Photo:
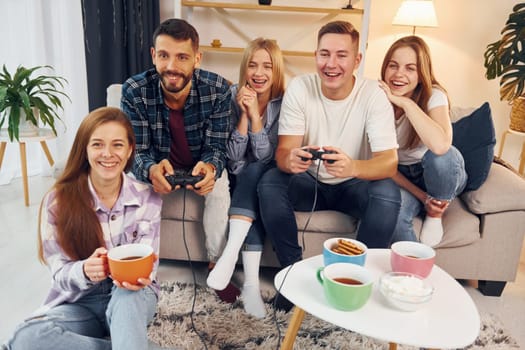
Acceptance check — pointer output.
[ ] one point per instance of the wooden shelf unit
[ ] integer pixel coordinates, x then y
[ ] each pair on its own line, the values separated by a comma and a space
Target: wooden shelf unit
227, 49
222, 9
229, 5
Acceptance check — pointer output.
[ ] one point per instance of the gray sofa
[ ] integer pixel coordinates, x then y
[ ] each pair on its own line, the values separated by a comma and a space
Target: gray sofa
483, 237
484, 229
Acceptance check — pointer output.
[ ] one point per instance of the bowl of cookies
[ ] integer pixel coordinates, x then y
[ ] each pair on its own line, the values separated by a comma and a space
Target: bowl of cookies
347, 250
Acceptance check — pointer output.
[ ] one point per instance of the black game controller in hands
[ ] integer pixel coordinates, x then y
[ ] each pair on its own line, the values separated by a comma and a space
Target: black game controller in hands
317, 155
183, 178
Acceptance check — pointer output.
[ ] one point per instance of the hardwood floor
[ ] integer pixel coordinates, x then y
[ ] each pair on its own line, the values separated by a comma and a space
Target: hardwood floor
25, 281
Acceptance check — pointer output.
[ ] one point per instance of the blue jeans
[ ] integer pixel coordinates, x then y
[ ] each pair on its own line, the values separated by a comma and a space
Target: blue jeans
88, 323
245, 202
442, 177
375, 203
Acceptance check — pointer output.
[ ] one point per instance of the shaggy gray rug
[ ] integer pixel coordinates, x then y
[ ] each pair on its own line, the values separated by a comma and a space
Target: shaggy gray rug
228, 327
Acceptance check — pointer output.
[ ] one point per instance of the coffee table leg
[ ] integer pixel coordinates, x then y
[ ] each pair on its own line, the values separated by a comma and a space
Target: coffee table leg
293, 328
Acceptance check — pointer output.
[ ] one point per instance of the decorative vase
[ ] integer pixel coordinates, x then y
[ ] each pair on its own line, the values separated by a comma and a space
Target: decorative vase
517, 114
26, 126
265, 2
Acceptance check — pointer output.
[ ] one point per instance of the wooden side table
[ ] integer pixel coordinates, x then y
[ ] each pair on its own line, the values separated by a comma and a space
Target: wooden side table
43, 135
521, 167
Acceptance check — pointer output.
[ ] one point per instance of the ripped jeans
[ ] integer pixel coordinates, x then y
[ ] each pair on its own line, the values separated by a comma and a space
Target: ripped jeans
442, 177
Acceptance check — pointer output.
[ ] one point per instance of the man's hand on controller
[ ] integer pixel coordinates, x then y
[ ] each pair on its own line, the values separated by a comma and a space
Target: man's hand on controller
343, 165
331, 155
311, 153
304, 154
206, 185
157, 176
300, 159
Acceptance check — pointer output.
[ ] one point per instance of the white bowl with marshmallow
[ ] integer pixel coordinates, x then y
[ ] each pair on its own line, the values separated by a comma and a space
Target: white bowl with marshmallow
405, 291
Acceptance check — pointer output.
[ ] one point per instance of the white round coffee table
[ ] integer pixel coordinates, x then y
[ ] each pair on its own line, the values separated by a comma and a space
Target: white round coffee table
450, 320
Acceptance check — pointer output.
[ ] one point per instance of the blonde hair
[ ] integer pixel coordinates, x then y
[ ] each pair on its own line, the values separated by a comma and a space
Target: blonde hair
276, 56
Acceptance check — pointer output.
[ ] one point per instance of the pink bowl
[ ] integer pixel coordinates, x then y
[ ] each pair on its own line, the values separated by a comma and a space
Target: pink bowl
412, 257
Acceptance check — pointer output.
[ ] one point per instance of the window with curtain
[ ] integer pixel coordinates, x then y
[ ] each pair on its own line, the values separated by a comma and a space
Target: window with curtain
117, 40
50, 34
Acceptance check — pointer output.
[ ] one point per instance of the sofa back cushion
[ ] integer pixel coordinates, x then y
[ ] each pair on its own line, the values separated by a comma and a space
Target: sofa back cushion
504, 190
474, 137
113, 93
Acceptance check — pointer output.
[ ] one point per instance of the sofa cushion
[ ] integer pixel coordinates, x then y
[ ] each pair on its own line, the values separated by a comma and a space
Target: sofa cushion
475, 138
502, 191
456, 112
177, 206
459, 225
328, 221
113, 94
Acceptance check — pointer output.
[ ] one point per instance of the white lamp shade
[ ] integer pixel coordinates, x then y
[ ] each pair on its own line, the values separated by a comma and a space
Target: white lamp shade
416, 13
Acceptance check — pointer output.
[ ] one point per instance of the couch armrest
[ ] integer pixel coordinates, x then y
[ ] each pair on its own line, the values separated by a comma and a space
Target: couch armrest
503, 190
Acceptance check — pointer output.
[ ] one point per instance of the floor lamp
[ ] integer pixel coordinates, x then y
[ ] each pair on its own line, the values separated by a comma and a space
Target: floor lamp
416, 13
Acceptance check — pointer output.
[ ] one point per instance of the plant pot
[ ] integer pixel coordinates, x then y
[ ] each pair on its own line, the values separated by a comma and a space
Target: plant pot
517, 114
26, 127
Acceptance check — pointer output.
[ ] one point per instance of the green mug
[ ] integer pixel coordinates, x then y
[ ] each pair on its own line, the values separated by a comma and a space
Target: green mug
346, 286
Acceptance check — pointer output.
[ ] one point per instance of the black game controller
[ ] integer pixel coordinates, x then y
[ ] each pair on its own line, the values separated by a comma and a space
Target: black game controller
183, 178
317, 155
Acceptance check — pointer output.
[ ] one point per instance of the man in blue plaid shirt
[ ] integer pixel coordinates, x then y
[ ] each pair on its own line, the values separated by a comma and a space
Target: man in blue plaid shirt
181, 118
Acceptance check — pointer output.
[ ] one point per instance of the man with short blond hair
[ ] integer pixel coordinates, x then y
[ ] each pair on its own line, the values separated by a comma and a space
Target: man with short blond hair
351, 121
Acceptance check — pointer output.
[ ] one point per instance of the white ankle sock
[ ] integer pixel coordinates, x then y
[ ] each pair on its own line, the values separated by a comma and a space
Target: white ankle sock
432, 231
251, 293
222, 272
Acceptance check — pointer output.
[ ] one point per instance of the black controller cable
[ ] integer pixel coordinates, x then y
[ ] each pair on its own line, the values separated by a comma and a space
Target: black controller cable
291, 266
201, 337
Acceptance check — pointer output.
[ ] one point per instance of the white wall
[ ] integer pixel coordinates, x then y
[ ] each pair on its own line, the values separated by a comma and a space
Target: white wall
457, 45
45, 32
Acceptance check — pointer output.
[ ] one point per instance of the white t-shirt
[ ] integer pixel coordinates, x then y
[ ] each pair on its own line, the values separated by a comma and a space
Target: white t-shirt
360, 124
414, 155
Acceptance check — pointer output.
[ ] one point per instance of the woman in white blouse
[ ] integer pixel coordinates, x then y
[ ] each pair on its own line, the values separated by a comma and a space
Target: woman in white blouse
431, 172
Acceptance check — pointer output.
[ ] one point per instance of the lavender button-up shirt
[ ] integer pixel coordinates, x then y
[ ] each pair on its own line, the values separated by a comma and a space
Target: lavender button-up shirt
135, 218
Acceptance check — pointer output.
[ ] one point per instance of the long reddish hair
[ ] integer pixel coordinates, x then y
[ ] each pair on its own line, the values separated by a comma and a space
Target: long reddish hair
78, 229
427, 80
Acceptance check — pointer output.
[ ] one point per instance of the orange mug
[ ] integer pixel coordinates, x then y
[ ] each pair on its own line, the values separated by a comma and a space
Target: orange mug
129, 262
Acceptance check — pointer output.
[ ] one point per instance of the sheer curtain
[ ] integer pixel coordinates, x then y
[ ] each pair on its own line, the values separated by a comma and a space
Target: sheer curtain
45, 32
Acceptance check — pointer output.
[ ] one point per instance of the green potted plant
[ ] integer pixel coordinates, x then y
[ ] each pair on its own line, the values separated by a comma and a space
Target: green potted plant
505, 58
31, 97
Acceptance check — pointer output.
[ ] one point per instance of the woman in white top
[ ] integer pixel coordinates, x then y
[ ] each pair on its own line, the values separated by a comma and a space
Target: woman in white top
431, 172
